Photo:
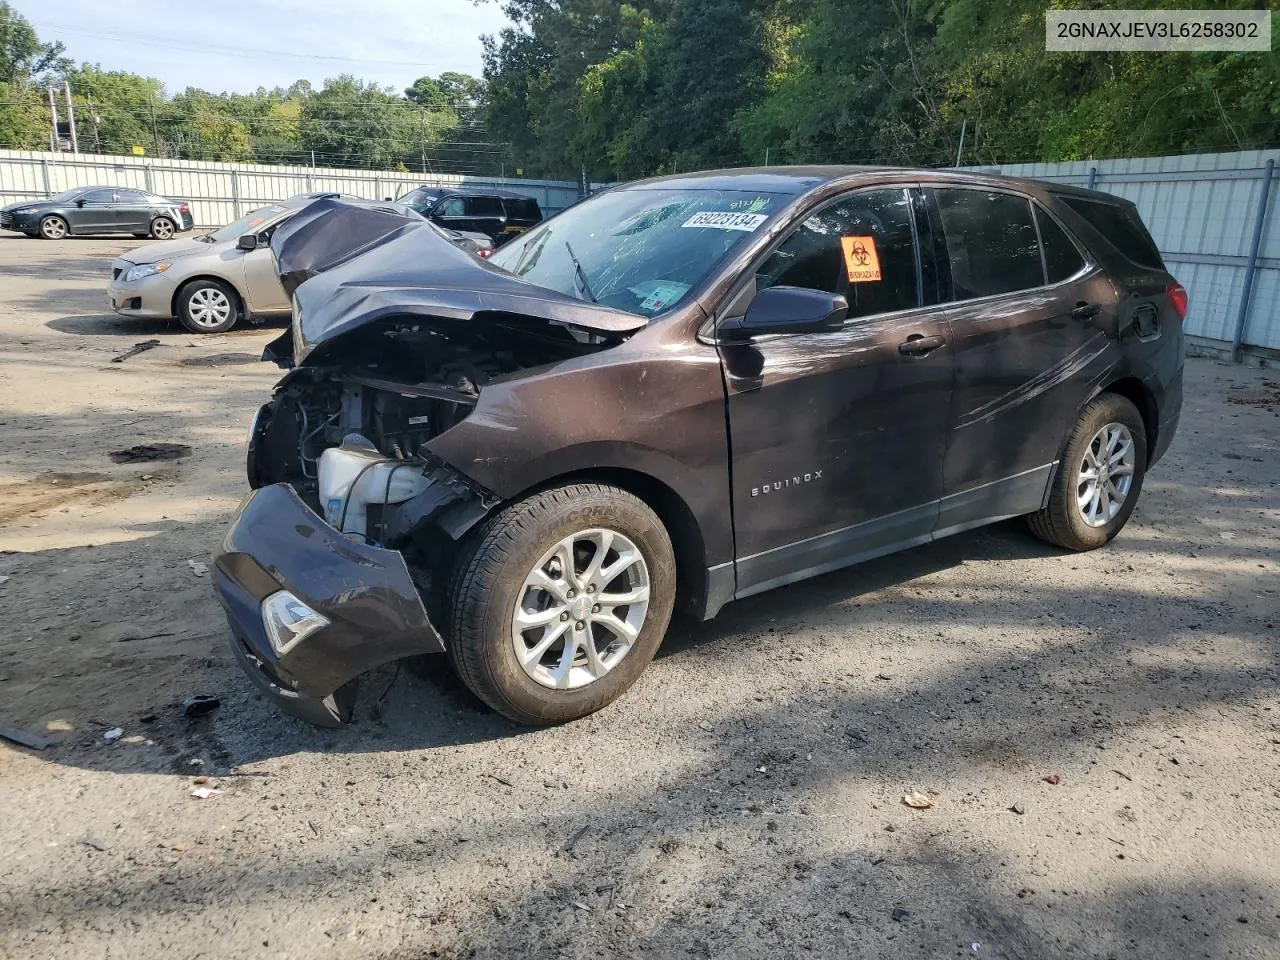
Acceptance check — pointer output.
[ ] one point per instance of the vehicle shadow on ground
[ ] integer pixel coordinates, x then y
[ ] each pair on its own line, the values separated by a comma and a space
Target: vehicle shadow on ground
111, 324
918, 890
426, 708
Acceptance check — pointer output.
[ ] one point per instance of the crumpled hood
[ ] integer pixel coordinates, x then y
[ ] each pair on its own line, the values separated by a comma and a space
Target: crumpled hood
347, 266
168, 250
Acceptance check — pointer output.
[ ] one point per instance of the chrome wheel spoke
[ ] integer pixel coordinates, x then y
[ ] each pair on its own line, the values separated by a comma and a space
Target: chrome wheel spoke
634, 595
535, 653
563, 672
528, 619
543, 581
602, 540
621, 629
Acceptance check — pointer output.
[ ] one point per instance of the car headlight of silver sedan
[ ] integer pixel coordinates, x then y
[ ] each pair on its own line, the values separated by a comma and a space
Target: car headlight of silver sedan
145, 270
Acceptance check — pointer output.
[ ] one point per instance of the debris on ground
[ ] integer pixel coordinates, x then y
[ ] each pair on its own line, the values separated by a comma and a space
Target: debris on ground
205, 793
114, 734
200, 705
917, 800
198, 568
95, 843
195, 762
899, 914
220, 360
1053, 779
4, 579
1019, 808
24, 737
146, 452
140, 347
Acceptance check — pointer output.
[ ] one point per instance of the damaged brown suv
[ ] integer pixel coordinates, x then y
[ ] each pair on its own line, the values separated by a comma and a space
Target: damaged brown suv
677, 393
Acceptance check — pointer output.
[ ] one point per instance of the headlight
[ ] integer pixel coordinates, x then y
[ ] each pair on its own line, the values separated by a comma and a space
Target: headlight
26, 210
289, 621
145, 270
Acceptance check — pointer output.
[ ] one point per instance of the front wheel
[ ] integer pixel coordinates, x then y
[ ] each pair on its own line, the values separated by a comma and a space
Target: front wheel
561, 602
54, 228
207, 306
1099, 477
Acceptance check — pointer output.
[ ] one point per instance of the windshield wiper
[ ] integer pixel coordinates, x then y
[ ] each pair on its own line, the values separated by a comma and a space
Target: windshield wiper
581, 274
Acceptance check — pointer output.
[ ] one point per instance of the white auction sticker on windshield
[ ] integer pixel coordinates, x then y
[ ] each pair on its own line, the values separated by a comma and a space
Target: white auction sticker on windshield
726, 221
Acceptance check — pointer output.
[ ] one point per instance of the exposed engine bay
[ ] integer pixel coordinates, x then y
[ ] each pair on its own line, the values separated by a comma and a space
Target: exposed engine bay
349, 436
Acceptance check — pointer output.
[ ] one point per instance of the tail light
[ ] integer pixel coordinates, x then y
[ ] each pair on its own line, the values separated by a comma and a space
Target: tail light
185, 208
1178, 297
484, 253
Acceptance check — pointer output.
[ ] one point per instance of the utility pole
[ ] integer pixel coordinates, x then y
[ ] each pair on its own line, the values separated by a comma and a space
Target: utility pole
963, 127
71, 117
93, 115
53, 117
422, 116
766, 156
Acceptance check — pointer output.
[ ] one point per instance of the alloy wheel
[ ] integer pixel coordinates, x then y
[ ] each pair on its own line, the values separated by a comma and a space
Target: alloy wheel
162, 229
209, 307
53, 228
1105, 475
581, 609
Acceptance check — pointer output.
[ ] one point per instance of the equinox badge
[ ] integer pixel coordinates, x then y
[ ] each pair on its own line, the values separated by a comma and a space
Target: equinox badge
778, 485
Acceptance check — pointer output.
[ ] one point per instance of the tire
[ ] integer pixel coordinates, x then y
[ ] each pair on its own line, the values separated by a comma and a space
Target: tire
54, 228
142, 236
492, 577
1074, 518
207, 306
162, 228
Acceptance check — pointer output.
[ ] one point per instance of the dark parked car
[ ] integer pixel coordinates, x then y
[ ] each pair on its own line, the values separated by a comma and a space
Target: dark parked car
680, 392
90, 210
499, 214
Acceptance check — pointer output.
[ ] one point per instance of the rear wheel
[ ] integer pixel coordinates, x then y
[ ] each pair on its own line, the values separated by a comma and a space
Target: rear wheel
54, 228
561, 602
207, 306
162, 228
1099, 478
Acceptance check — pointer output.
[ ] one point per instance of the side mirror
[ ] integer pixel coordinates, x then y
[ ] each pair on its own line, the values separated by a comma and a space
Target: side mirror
388, 200
80, 202
248, 241
787, 310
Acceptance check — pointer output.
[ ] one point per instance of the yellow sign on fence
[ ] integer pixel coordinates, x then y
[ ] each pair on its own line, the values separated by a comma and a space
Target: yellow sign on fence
139, 150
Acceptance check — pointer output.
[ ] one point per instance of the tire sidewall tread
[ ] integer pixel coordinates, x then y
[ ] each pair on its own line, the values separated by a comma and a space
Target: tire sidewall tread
1060, 522
491, 571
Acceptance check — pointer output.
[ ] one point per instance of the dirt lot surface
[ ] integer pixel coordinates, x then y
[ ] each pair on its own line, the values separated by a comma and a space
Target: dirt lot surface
744, 800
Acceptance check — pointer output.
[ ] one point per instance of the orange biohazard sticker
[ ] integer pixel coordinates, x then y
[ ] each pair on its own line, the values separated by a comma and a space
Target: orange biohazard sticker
860, 259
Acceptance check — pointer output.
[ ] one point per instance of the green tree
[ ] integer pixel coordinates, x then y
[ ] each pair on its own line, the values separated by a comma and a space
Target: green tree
22, 55
352, 123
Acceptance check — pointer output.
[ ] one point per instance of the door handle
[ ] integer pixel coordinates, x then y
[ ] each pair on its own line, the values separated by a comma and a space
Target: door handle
918, 344
1083, 311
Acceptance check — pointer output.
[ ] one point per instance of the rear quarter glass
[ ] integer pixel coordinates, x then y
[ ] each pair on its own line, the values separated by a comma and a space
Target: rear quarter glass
1122, 226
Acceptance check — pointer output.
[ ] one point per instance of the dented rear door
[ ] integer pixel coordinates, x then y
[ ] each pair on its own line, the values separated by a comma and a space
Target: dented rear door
1032, 328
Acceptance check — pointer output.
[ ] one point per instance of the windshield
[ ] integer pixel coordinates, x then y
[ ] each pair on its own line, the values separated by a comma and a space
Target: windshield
249, 223
640, 249
66, 195
420, 200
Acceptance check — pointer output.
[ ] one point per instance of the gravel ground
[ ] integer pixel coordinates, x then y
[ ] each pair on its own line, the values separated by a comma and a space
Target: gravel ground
1099, 734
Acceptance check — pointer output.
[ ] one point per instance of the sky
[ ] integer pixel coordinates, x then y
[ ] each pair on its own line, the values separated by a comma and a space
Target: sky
240, 45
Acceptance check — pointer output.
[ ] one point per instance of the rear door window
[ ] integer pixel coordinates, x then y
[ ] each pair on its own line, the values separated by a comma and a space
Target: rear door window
1062, 258
862, 246
522, 210
483, 207
1120, 224
990, 241
99, 196
132, 197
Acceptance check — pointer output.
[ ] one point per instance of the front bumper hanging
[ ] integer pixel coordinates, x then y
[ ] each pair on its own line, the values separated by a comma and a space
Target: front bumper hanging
375, 613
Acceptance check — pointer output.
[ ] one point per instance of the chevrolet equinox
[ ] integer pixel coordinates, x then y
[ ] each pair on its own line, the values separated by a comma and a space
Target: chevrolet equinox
678, 393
